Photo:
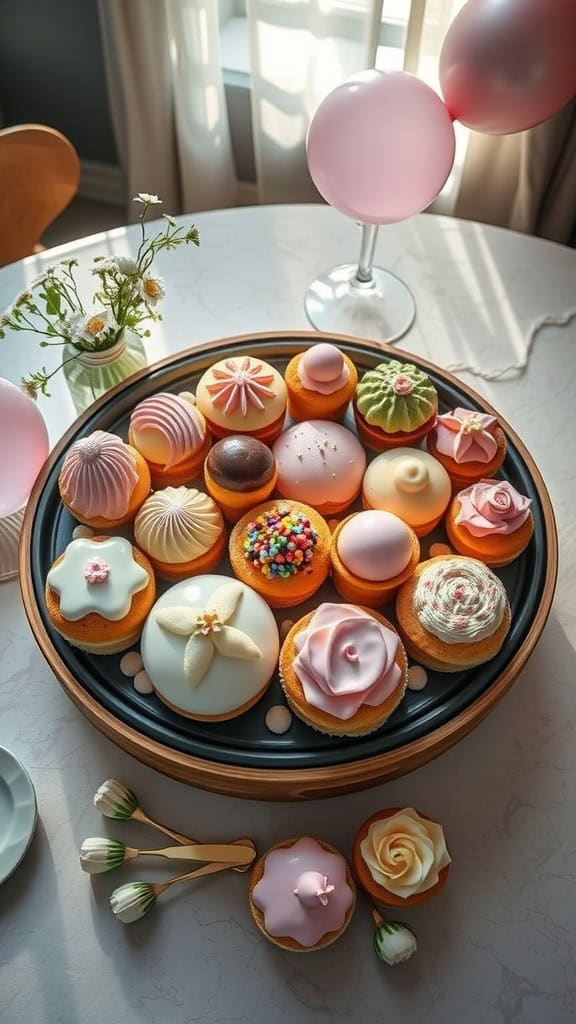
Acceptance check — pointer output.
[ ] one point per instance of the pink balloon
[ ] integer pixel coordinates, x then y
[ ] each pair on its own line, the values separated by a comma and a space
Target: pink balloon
507, 65
380, 146
24, 446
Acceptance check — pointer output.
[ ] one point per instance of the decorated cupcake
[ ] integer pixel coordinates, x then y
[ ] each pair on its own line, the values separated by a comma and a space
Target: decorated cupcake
491, 521
400, 858
182, 532
282, 550
98, 594
453, 613
243, 395
343, 669
170, 432
302, 895
372, 554
240, 472
409, 483
470, 445
396, 406
103, 481
321, 463
321, 382
210, 647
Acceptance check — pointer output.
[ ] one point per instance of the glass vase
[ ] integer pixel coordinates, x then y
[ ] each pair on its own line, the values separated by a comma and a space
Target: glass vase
91, 374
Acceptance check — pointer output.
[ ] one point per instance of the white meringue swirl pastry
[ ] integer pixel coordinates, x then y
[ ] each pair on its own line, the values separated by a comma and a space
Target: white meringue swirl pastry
460, 600
178, 524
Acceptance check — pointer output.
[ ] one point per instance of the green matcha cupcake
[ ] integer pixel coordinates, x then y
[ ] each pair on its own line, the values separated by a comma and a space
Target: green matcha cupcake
395, 406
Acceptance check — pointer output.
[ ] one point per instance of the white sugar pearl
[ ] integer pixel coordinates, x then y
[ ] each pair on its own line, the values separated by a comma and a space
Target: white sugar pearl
440, 549
82, 531
142, 682
131, 663
285, 628
417, 677
278, 719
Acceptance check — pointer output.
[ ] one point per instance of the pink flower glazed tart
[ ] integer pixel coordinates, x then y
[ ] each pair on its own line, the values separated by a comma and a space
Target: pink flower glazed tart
170, 433
321, 382
410, 484
321, 463
470, 445
491, 521
400, 858
395, 406
98, 594
210, 647
372, 554
302, 895
453, 613
243, 395
240, 472
182, 531
282, 550
343, 669
103, 481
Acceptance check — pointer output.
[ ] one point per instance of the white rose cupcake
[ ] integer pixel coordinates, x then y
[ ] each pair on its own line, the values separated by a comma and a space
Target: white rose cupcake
400, 858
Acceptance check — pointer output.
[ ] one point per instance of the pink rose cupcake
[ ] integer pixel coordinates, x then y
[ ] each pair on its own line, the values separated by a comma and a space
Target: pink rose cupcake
491, 521
343, 669
470, 445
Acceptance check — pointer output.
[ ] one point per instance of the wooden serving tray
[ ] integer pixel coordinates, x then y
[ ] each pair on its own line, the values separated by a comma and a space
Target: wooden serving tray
241, 757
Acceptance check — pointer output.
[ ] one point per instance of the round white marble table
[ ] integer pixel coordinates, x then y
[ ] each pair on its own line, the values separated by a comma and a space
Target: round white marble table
497, 947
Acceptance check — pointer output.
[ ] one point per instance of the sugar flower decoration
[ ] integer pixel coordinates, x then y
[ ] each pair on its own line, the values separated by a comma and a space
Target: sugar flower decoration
132, 901
467, 436
99, 854
208, 632
81, 592
243, 385
114, 800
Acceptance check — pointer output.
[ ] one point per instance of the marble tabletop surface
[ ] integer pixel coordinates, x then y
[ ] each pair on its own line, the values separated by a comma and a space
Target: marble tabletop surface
499, 945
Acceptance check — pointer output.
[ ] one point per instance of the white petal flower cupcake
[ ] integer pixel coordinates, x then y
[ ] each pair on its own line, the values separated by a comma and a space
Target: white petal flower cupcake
401, 858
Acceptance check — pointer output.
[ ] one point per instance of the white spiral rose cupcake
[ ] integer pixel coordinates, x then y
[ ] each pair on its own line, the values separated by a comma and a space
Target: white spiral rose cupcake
453, 613
401, 858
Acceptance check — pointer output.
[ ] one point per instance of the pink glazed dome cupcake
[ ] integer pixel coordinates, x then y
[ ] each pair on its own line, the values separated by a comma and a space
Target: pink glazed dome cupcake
302, 895
321, 463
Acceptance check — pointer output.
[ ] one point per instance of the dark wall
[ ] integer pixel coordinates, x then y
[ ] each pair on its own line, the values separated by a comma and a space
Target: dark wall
52, 72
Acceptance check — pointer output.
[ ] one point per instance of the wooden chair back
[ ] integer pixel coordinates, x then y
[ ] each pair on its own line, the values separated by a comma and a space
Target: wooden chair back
39, 176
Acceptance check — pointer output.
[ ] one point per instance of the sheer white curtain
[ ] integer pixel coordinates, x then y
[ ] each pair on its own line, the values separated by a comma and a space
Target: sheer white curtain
168, 101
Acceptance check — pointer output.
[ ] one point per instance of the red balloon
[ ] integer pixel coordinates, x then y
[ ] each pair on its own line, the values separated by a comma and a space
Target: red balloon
507, 65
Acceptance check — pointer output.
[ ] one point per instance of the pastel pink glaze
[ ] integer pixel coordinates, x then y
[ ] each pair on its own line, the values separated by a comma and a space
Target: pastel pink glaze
467, 436
96, 570
375, 545
286, 916
319, 462
99, 476
240, 384
346, 658
492, 506
176, 419
322, 369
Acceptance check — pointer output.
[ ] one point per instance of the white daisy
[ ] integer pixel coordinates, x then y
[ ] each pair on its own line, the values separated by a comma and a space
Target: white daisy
93, 329
127, 266
147, 199
152, 289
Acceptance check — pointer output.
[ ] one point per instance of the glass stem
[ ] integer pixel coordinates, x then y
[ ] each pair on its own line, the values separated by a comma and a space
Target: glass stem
366, 260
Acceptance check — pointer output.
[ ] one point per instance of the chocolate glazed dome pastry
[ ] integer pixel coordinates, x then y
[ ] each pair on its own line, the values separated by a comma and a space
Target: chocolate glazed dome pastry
240, 472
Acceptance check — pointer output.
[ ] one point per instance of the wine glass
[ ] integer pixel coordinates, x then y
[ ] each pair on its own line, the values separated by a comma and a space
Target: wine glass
380, 148
23, 451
